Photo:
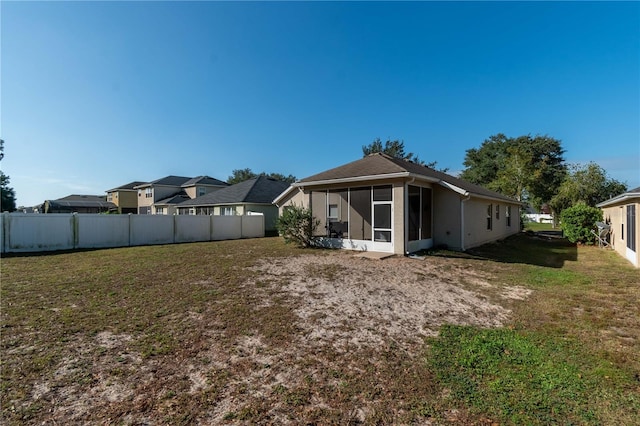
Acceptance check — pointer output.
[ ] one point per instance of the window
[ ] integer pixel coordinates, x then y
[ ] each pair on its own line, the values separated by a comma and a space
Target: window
508, 215
497, 211
110, 197
489, 216
159, 210
148, 193
201, 191
333, 211
228, 211
631, 227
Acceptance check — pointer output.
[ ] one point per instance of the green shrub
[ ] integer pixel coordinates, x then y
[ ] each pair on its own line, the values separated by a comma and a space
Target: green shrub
578, 221
297, 225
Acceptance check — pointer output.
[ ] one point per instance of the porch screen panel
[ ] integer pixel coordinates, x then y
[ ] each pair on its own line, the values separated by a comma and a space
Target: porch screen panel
414, 213
319, 211
631, 227
360, 214
426, 213
338, 207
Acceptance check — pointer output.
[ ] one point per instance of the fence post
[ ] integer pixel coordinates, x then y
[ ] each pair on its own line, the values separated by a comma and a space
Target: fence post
74, 229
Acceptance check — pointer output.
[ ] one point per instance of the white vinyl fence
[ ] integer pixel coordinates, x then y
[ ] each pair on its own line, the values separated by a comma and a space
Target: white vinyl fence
20, 232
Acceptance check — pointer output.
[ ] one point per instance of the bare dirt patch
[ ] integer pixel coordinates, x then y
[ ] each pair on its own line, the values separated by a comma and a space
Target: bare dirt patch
357, 302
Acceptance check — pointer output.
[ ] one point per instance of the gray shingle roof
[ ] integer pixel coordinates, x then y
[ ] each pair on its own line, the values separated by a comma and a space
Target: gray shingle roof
379, 164
177, 198
167, 180
82, 201
130, 186
260, 190
204, 180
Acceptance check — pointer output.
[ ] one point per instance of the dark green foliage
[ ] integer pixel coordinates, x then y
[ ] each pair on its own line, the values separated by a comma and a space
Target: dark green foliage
240, 175
297, 225
526, 168
588, 184
396, 149
8, 201
578, 222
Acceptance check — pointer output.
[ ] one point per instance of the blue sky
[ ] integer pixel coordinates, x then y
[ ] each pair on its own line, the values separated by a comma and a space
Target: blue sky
97, 94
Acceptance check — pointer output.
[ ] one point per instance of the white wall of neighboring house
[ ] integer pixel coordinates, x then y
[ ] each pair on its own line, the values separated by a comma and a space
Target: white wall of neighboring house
539, 217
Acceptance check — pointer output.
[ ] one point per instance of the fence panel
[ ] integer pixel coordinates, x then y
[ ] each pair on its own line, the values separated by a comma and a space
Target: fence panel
28, 232
100, 231
151, 229
192, 228
20, 232
253, 226
226, 227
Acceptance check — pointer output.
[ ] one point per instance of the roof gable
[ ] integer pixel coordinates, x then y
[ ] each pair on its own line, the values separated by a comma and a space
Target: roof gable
204, 180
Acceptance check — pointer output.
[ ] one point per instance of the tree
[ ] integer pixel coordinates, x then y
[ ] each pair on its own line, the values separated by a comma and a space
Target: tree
240, 175
526, 168
588, 184
396, 149
578, 221
8, 195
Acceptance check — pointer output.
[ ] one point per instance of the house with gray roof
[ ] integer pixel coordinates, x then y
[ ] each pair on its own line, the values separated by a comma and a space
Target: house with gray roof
161, 196
249, 197
387, 204
125, 197
79, 204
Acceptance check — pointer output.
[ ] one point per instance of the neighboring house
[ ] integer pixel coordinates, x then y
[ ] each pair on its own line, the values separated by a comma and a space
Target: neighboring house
79, 204
382, 203
158, 196
622, 213
125, 197
251, 196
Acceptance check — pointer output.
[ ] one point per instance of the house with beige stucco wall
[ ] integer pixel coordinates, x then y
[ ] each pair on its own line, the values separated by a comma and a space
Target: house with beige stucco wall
125, 197
162, 196
621, 213
387, 204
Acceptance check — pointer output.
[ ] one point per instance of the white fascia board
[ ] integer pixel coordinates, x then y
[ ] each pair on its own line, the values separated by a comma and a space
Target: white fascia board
352, 179
619, 199
454, 188
284, 194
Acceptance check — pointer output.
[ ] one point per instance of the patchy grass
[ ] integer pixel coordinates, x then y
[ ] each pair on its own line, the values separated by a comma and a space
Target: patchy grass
196, 333
536, 226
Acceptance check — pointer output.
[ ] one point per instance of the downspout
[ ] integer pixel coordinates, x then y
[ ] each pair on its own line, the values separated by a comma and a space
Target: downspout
462, 220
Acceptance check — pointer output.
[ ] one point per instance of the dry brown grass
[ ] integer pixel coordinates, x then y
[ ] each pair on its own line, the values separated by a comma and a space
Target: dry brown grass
253, 331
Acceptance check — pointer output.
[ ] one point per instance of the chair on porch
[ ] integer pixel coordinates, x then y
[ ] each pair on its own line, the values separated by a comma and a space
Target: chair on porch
336, 229
602, 233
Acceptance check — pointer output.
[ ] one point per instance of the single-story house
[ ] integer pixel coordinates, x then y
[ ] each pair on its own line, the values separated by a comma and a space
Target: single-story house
248, 197
79, 204
621, 213
387, 204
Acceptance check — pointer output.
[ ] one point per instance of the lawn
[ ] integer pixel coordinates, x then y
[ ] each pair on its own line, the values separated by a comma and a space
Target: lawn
530, 330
